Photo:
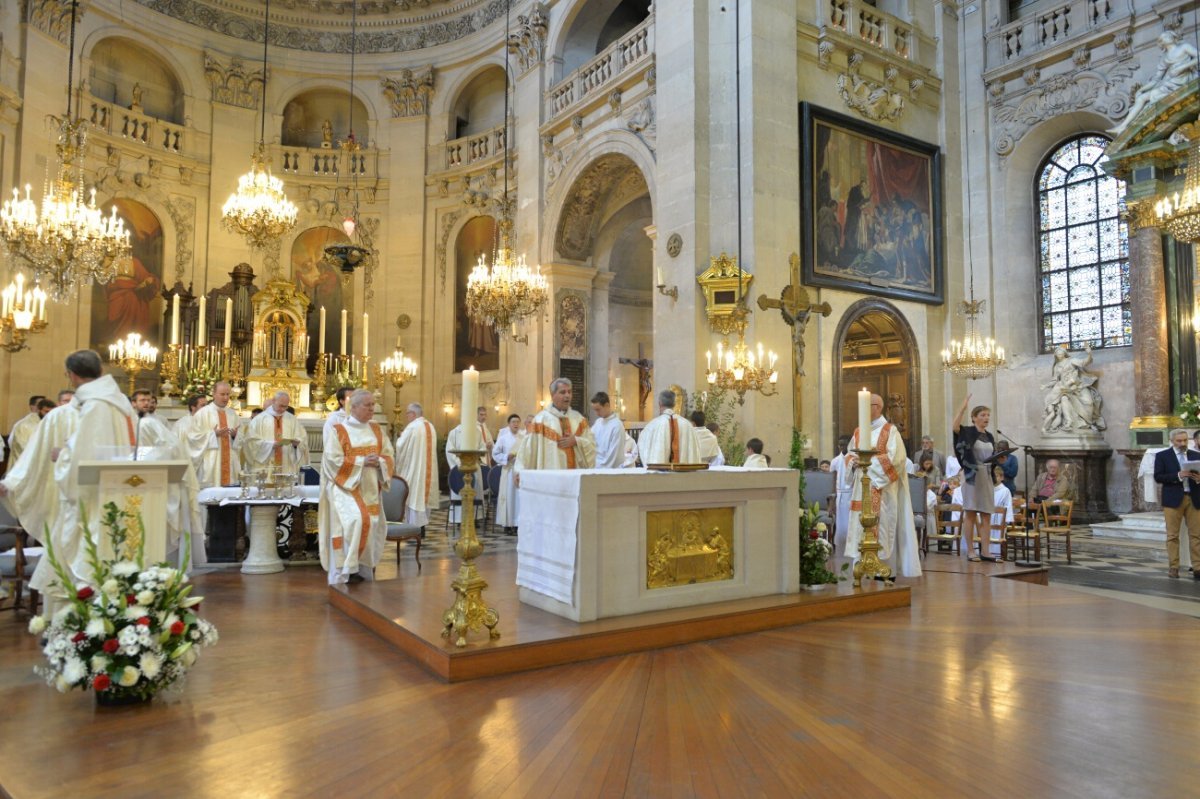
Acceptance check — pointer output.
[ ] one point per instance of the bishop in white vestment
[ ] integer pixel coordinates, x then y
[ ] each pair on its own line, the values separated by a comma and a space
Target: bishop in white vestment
559, 437
668, 437
356, 466
889, 497
213, 440
416, 463
275, 439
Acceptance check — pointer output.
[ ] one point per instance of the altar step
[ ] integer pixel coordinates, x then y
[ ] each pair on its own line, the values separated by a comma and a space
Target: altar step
407, 613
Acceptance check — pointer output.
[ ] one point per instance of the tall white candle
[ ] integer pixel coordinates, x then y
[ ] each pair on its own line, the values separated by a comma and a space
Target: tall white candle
470, 401
228, 322
864, 417
618, 386
342, 351
364, 336
321, 335
175, 319
202, 323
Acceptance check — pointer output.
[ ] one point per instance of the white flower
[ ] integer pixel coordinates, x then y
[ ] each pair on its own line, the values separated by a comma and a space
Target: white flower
191, 601
99, 664
129, 677
61, 684
145, 598
125, 568
95, 628
37, 624
150, 665
135, 612
111, 587
128, 636
189, 657
74, 671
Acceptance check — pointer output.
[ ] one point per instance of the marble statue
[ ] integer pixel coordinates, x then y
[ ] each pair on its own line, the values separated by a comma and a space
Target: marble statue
1178, 66
1073, 403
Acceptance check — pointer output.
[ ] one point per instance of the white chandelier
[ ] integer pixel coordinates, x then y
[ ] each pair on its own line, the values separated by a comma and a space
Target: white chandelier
975, 356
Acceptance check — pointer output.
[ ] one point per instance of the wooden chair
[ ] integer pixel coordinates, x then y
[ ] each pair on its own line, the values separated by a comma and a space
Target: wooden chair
493, 491
916, 495
1020, 534
997, 532
17, 560
945, 527
1055, 520
395, 504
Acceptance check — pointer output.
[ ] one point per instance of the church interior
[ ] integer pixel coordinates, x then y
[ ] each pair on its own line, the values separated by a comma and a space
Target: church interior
939, 202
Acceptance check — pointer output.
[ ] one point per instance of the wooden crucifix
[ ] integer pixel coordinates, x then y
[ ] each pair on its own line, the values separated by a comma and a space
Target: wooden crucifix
795, 308
645, 369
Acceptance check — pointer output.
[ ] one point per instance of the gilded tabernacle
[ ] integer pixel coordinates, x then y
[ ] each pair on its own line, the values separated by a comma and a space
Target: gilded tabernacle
689, 546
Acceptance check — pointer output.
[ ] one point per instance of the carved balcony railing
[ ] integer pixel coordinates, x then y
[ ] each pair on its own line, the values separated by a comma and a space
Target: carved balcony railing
873, 27
474, 149
319, 162
1048, 28
632, 51
136, 127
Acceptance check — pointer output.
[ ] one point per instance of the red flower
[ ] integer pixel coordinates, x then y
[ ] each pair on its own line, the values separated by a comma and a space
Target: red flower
85, 593
111, 646
177, 628
130, 599
79, 636
101, 682
144, 621
814, 534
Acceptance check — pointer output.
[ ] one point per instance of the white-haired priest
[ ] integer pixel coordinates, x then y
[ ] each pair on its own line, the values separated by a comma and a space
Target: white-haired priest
275, 439
356, 467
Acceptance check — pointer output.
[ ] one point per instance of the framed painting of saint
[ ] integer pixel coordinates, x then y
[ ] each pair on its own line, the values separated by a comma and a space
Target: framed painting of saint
132, 301
871, 209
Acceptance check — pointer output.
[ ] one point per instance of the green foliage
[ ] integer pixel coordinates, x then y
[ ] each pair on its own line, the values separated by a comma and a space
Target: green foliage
815, 551
720, 406
796, 458
1188, 409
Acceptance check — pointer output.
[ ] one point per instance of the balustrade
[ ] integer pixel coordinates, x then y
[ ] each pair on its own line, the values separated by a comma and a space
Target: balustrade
631, 51
477, 147
319, 162
875, 28
137, 128
1048, 27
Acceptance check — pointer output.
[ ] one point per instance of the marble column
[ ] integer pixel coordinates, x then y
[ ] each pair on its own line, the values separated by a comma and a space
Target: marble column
1148, 298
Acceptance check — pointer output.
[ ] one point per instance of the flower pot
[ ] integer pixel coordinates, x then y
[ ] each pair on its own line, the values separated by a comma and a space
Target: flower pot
119, 699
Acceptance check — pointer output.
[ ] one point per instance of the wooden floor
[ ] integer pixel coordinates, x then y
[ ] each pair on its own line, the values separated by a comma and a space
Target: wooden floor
983, 688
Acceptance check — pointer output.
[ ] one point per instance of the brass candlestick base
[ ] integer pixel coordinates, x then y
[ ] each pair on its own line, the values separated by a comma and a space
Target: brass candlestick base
469, 611
868, 564
170, 371
319, 378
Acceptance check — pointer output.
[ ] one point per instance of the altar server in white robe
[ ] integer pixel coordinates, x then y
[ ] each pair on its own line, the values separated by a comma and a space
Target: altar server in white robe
23, 430
708, 447
843, 483
755, 459
181, 425
631, 453
454, 441
609, 433
356, 466
340, 415
416, 462
889, 496
105, 432
559, 437
668, 437
213, 440
275, 439
505, 454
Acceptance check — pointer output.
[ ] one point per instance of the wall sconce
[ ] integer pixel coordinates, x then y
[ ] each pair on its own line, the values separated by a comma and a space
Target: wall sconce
672, 292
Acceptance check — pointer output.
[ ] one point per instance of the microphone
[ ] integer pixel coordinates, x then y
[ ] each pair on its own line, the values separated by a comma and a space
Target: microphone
137, 434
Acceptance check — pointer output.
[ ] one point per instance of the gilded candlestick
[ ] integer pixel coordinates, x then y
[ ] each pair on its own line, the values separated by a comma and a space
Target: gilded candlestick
469, 612
868, 564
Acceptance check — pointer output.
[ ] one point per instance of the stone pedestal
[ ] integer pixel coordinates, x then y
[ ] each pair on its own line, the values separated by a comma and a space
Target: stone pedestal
1091, 463
1133, 462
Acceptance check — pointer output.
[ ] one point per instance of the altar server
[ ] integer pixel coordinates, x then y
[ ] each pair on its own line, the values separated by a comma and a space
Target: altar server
180, 426
340, 415
23, 430
708, 448
356, 466
212, 440
416, 462
559, 437
505, 455
668, 437
275, 439
888, 494
609, 433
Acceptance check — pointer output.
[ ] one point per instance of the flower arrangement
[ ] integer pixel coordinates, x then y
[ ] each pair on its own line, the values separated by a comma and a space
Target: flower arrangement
815, 551
133, 634
1188, 409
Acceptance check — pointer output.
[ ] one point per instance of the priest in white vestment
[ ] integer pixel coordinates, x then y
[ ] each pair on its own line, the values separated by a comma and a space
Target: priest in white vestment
416, 463
105, 432
340, 415
275, 440
181, 425
609, 433
708, 447
668, 437
844, 484
889, 496
22, 432
213, 440
559, 437
454, 441
485, 436
505, 455
356, 466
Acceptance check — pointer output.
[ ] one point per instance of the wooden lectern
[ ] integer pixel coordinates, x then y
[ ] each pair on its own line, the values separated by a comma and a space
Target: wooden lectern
138, 487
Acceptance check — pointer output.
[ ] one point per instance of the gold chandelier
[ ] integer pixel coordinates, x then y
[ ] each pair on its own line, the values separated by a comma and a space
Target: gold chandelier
259, 210
67, 241
974, 357
742, 368
22, 311
508, 291
1179, 213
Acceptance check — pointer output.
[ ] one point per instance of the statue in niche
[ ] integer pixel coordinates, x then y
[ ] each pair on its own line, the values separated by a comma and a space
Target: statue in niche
1178, 66
327, 135
1073, 403
136, 92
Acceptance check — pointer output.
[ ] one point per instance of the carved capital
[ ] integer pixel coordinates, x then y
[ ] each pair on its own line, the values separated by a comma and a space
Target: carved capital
528, 39
409, 91
52, 17
233, 84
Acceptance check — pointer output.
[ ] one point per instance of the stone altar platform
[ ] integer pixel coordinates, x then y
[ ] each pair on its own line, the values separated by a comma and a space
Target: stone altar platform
1148, 526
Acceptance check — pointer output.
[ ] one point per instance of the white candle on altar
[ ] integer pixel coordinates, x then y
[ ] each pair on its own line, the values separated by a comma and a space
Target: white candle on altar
228, 322
342, 351
618, 386
864, 417
364, 335
202, 323
470, 401
175, 320
321, 335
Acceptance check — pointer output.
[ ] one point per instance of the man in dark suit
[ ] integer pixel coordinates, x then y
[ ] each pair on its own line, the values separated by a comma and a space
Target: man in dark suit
1180, 499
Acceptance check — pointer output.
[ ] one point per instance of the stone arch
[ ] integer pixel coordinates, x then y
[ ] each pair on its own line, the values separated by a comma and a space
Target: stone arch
860, 314
156, 69
446, 97
323, 101
577, 33
479, 103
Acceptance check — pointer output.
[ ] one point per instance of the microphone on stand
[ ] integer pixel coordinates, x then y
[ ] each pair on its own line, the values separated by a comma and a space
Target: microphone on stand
137, 434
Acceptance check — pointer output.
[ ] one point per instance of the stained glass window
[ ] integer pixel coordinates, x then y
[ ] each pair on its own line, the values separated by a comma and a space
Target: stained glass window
1083, 249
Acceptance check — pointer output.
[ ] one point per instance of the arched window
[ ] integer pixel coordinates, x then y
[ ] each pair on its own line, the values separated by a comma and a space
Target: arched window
1083, 249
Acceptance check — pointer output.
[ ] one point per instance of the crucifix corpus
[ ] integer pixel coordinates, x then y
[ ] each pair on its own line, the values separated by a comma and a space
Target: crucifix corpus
795, 308
645, 368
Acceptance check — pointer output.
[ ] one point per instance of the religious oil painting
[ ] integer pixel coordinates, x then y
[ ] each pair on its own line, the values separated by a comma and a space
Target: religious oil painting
476, 343
871, 209
132, 301
693, 545
321, 282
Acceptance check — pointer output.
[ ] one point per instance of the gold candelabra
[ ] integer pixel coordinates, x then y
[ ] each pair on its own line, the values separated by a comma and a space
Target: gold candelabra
170, 372
469, 611
133, 355
741, 368
868, 564
22, 311
397, 369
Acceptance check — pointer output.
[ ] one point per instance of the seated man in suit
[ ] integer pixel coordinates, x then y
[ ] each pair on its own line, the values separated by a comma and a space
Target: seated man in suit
1180, 498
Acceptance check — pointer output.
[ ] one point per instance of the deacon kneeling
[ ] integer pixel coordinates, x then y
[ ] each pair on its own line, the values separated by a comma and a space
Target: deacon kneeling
356, 466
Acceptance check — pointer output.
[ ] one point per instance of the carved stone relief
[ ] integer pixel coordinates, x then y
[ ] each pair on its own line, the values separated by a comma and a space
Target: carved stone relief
600, 182
233, 84
874, 100
644, 124
572, 326
52, 17
528, 40
439, 248
409, 91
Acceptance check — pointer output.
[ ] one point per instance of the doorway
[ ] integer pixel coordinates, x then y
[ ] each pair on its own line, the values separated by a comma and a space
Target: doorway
876, 350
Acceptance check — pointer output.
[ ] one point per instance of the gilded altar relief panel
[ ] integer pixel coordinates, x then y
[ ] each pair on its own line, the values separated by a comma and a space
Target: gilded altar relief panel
688, 546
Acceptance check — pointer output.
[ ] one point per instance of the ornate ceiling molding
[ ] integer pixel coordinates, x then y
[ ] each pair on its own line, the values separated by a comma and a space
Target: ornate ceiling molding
52, 17
409, 91
528, 42
232, 84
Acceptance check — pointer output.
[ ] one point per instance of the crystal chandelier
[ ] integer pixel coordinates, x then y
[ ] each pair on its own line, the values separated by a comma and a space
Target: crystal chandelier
22, 311
259, 209
133, 355
742, 368
508, 291
67, 241
1179, 213
975, 356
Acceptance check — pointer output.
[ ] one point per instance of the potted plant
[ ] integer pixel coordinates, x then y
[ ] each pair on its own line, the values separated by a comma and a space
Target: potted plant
815, 551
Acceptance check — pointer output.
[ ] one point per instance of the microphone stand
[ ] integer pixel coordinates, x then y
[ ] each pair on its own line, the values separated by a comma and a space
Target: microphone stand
1027, 450
137, 434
